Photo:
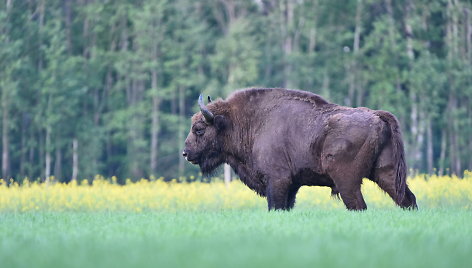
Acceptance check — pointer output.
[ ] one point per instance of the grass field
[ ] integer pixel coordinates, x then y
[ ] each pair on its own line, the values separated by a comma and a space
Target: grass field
238, 238
150, 224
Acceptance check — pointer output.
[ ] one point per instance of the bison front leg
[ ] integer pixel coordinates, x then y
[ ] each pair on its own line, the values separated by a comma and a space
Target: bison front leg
278, 194
292, 194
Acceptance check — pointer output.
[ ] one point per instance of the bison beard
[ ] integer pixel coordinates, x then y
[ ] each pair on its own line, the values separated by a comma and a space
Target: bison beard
209, 163
278, 140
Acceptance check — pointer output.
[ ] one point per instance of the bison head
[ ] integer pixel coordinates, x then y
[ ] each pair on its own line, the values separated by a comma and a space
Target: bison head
204, 143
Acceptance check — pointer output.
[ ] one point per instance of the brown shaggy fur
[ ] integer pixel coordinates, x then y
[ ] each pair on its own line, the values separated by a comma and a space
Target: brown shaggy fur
278, 140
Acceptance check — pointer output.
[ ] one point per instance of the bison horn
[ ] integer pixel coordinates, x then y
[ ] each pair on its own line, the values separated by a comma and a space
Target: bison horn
209, 99
206, 113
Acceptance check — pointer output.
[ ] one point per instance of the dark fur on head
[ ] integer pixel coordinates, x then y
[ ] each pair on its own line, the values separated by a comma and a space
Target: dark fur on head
210, 160
205, 142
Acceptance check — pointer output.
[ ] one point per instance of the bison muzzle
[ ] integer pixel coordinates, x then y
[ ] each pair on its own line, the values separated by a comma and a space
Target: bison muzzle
278, 140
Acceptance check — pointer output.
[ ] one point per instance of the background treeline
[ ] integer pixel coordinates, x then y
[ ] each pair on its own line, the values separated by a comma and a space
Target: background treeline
107, 87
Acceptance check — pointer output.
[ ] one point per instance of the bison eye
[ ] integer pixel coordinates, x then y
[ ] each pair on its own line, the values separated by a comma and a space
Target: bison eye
200, 132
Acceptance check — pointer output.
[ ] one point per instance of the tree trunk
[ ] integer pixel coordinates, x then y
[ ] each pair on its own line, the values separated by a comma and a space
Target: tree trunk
181, 134
455, 163
5, 103
468, 33
469, 142
23, 148
41, 9
75, 159
353, 83
417, 120
409, 31
286, 10
230, 8
108, 150
68, 21
356, 46
47, 150
29, 171
325, 86
5, 134
154, 123
452, 30
312, 40
135, 129
133, 95
8, 4
40, 154
58, 164
415, 149
391, 20
469, 167
442, 154
429, 147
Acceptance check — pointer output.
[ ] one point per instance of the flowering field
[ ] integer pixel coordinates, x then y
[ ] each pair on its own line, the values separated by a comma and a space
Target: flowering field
103, 194
160, 224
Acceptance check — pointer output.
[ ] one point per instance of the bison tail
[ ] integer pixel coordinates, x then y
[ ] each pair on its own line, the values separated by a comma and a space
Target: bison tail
398, 153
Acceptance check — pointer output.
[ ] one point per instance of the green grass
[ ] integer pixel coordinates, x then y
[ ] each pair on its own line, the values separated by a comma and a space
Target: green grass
238, 238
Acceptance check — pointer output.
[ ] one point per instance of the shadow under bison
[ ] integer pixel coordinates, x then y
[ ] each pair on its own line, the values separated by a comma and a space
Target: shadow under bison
278, 140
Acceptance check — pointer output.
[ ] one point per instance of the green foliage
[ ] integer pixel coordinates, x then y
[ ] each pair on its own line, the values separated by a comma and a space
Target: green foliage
113, 74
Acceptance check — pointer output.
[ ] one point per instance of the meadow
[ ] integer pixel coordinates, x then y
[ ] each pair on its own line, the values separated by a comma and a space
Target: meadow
162, 224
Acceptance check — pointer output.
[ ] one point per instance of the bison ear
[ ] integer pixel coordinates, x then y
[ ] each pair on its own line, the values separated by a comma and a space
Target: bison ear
220, 122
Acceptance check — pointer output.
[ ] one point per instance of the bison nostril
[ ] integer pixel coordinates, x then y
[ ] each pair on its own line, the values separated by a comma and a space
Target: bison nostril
184, 154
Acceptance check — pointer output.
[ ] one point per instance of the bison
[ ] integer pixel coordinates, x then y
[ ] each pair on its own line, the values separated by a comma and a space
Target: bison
277, 140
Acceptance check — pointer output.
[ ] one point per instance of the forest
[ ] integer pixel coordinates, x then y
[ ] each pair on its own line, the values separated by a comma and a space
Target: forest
108, 87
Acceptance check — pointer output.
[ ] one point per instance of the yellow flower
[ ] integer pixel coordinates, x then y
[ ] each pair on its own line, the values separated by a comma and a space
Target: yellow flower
105, 194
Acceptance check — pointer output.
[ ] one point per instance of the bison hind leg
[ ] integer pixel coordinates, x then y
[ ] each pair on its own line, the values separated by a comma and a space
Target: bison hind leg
352, 197
385, 179
349, 188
